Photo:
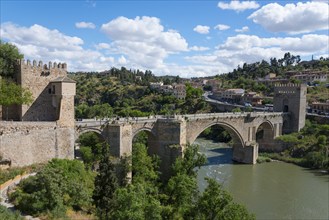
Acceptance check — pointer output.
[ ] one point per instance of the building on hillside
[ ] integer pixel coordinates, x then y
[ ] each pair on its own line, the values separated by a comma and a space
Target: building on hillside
272, 79
214, 83
230, 95
253, 98
166, 89
309, 78
197, 84
270, 76
179, 91
156, 85
320, 107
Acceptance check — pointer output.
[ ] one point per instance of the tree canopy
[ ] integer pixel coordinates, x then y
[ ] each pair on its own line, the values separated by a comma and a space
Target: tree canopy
9, 55
11, 93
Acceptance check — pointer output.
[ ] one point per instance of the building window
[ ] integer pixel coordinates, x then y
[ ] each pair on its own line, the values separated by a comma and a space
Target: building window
53, 90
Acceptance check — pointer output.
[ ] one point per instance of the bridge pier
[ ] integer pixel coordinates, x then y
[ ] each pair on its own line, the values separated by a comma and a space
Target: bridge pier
170, 139
247, 154
119, 137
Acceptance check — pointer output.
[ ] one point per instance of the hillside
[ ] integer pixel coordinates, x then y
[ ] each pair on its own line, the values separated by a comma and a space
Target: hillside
107, 95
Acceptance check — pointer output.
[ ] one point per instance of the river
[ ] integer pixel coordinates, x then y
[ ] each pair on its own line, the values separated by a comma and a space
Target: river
274, 190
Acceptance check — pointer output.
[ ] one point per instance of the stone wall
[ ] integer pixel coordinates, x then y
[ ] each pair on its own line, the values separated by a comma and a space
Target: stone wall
25, 143
36, 78
320, 119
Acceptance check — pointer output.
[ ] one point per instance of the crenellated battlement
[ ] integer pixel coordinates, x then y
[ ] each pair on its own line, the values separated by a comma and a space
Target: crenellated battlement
289, 88
40, 65
288, 85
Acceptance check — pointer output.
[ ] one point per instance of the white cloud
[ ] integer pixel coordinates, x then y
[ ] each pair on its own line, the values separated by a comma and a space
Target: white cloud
140, 52
222, 27
85, 25
143, 40
201, 29
38, 42
293, 18
122, 60
39, 35
241, 49
238, 6
139, 29
243, 29
196, 48
307, 44
102, 46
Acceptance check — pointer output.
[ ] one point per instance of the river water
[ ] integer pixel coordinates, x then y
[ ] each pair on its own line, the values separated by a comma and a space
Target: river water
274, 190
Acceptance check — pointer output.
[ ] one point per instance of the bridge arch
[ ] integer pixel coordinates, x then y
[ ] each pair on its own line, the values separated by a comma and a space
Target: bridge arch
77, 144
152, 147
265, 135
234, 133
147, 129
95, 130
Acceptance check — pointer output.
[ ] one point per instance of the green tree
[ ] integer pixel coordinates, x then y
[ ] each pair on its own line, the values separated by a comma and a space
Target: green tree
187, 164
9, 215
91, 145
135, 202
9, 55
144, 167
182, 189
60, 185
216, 203
12, 94
106, 183
236, 109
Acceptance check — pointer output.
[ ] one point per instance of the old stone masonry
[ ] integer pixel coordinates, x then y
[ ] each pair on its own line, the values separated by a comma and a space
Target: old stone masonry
46, 129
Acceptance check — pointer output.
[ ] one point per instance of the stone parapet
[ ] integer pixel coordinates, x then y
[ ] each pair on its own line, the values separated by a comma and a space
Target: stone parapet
25, 143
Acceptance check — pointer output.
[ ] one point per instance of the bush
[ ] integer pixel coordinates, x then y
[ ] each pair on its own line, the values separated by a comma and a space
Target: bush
61, 184
9, 215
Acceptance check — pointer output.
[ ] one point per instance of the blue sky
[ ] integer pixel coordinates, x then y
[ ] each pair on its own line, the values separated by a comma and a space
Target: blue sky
185, 38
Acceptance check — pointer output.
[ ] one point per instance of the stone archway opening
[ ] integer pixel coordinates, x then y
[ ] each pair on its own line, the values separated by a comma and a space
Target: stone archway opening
265, 136
220, 143
88, 148
144, 159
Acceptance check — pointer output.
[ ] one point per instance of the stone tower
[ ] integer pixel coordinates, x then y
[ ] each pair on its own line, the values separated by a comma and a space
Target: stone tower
53, 92
291, 98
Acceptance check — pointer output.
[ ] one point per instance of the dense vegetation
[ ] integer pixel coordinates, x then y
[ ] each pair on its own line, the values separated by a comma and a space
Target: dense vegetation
63, 186
279, 66
10, 92
122, 92
100, 95
309, 147
217, 134
146, 197
9, 215
9, 55
59, 186
10, 173
245, 76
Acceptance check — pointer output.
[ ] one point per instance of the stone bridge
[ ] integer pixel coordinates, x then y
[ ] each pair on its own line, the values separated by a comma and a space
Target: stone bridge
169, 135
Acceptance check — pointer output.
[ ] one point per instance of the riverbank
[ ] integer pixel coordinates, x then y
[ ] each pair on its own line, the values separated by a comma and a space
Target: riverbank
302, 162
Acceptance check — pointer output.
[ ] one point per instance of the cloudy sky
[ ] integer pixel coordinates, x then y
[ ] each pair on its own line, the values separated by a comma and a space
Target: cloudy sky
185, 38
